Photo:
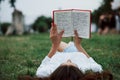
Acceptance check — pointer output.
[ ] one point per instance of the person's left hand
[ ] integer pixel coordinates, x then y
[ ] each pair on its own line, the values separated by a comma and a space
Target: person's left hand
77, 39
55, 36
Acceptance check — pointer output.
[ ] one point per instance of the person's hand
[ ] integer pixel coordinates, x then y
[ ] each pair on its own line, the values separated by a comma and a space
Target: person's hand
55, 36
78, 45
77, 40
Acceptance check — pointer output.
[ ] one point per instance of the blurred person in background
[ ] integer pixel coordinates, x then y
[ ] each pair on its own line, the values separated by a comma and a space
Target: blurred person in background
103, 24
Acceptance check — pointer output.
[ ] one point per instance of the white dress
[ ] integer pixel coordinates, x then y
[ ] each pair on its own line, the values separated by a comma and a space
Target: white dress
84, 63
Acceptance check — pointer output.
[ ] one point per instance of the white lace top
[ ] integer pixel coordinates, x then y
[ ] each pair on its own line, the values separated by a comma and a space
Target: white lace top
48, 65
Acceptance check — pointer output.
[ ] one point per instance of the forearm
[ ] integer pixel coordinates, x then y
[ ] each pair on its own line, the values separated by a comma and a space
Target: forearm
52, 51
81, 49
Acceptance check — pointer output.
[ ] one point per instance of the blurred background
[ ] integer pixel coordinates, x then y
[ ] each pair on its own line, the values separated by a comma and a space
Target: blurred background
34, 16
21, 53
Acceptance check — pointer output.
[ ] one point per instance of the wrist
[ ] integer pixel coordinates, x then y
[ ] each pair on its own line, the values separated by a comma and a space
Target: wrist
54, 46
77, 45
52, 51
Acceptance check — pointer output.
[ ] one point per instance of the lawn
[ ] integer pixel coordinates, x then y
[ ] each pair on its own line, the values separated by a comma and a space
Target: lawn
20, 55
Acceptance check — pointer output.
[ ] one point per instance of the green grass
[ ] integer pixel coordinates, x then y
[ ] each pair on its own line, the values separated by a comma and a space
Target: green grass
23, 54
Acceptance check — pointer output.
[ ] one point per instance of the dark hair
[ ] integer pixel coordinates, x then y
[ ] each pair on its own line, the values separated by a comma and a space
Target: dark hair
66, 73
27, 77
105, 75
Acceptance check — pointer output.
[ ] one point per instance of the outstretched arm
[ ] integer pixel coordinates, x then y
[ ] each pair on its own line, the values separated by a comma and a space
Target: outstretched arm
44, 70
78, 45
55, 39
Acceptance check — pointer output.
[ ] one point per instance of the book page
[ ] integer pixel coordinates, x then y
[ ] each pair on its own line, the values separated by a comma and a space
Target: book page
81, 23
63, 21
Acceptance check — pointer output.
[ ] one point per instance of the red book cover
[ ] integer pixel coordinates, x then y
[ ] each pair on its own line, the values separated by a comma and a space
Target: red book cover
73, 19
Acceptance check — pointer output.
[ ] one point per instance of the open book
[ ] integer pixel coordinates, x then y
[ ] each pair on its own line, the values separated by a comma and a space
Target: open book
73, 19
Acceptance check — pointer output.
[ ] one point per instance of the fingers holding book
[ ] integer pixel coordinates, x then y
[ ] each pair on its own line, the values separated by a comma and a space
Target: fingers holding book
55, 36
77, 39
54, 31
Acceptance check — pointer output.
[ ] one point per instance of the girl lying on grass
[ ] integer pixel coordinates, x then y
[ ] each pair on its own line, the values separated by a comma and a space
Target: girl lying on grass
69, 61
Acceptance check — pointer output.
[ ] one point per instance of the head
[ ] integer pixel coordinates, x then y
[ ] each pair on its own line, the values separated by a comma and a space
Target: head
71, 73
66, 72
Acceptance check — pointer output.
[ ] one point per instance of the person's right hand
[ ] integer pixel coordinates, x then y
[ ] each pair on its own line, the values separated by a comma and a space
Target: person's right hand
55, 36
55, 39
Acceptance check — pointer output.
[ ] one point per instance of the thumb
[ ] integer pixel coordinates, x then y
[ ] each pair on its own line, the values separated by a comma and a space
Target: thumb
61, 33
76, 33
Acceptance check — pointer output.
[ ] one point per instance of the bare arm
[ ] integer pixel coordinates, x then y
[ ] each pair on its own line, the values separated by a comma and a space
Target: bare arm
55, 39
78, 45
80, 48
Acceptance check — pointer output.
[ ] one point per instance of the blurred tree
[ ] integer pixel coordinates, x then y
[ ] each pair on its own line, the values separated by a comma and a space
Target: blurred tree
4, 27
49, 20
42, 24
12, 2
0, 16
1, 1
105, 7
